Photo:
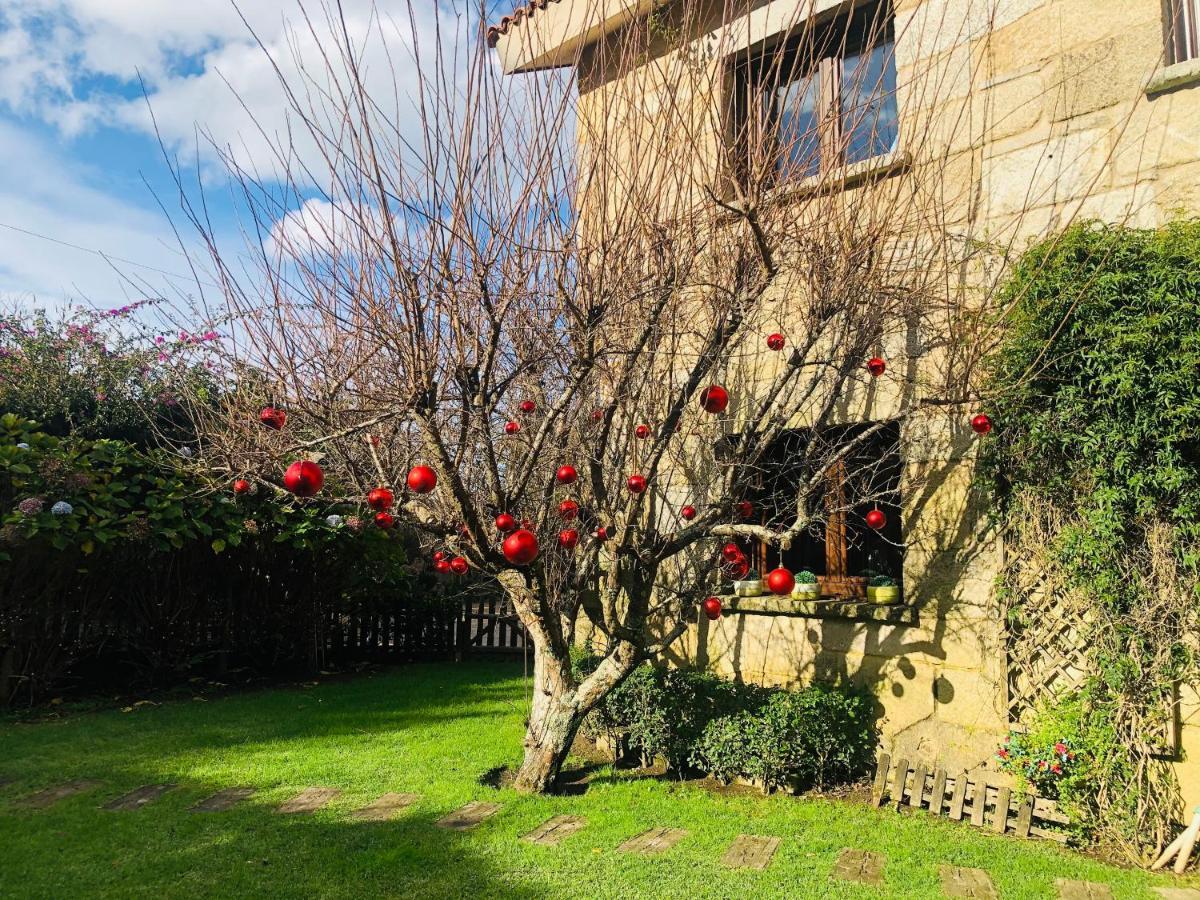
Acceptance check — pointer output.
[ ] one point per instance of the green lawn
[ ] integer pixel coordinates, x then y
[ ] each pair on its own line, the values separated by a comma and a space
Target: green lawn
431, 729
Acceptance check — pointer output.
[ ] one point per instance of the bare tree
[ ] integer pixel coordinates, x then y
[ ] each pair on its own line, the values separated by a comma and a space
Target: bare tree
541, 288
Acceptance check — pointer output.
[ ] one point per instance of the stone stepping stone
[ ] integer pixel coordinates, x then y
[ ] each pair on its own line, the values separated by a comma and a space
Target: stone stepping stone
962, 882
1070, 889
51, 795
861, 866
386, 807
1174, 893
468, 816
224, 800
309, 800
552, 832
138, 798
656, 840
751, 851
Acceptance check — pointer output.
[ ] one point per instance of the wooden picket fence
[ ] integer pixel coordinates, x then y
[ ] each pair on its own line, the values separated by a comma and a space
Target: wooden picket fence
961, 798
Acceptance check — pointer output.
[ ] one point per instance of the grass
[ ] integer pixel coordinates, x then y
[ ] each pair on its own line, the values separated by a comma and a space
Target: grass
430, 729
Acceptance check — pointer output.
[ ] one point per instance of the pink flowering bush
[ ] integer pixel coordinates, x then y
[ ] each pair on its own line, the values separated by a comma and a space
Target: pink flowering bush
1041, 765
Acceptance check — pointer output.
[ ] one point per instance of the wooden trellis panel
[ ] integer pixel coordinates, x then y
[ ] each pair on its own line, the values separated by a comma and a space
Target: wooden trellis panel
984, 805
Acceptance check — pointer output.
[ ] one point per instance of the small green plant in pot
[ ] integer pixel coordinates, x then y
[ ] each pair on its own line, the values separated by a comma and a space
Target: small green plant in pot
806, 587
750, 586
883, 589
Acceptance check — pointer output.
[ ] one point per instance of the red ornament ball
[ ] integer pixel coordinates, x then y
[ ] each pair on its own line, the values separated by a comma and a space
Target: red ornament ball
775, 341
459, 566
512, 427
780, 581
568, 538
566, 475
688, 513
380, 498
714, 399
636, 484
442, 566
521, 547
712, 608
241, 486
601, 533
745, 509
384, 520
740, 569
981, 424
439, 556
304, 478
642, 432
528, 406
421, 479
273, 418
505, 523
876, 366
876, 519
731, 552
568, 509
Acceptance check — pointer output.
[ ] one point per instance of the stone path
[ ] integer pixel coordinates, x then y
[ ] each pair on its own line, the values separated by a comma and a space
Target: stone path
961, 882
861, 866
552, 832
656, 840
1172, 893
1069, 889
309, 800
751, 851
138, 797
468, 816
224, 800
386, 807
46, 798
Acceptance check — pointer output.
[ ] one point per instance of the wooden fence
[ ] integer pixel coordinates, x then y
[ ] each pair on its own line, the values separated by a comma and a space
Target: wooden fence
959, 797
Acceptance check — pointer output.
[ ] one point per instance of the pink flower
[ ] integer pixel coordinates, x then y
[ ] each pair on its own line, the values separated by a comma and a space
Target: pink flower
31, 506
1003, 754
1056, 769
1060, 748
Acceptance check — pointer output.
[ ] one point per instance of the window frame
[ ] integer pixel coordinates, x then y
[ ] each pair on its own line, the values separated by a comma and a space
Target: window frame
1181, 30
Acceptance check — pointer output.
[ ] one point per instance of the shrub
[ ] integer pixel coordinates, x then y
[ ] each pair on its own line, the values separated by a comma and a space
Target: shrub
723, 749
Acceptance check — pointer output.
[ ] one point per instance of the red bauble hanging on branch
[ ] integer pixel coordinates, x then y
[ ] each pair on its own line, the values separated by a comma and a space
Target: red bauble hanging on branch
781, 581
876, 366
568, 538
528, 406
384, 520
731, 552
566, 475
439, 556
876, 519
714, 399
775, 341
521, 547
241, 486
601, 533
512, 427
712, 608
642, 432
304, 478
688, 513
459, 566
380, 498
421, 479
442, 566
568, 509
636, 484
505, 523
745, 509
981, 424
273, 418
740, 569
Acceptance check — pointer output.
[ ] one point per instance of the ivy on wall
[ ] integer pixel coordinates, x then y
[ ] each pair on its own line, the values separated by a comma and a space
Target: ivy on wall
1096, 389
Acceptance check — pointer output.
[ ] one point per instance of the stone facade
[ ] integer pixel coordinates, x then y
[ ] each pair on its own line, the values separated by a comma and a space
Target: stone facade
1072, 112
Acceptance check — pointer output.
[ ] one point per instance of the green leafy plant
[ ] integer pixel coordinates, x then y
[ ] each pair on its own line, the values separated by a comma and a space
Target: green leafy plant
805, 577
883, 581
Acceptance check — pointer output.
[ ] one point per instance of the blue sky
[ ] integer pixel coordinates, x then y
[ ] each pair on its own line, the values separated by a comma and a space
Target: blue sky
79, 163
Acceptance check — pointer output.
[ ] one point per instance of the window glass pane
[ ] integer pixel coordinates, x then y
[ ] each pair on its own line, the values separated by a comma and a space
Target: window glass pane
869, 102
797, 117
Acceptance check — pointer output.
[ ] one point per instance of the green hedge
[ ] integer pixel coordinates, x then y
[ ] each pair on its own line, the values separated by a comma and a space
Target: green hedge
817, 735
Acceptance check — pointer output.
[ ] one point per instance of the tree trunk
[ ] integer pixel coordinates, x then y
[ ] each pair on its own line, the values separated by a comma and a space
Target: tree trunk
554, 721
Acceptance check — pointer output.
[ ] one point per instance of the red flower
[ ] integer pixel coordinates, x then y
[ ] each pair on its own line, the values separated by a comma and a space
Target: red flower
1060, 748
1003, 754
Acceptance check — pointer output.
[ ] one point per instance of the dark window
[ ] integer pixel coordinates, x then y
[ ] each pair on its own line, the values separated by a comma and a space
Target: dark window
1183, 30
820, 99
840, 547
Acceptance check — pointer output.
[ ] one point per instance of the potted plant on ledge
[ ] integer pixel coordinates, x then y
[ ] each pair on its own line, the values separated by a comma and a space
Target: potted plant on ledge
749, 586
883, 589
806, 587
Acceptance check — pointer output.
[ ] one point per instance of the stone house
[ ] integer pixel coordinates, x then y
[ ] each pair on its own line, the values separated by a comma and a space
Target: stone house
1078, 108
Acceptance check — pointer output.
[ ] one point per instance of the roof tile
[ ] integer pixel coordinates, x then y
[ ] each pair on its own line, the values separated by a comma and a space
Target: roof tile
514, 18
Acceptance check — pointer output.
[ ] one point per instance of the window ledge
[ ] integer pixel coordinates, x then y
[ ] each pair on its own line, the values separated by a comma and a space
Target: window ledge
1181, 74
846, 176
858, 610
